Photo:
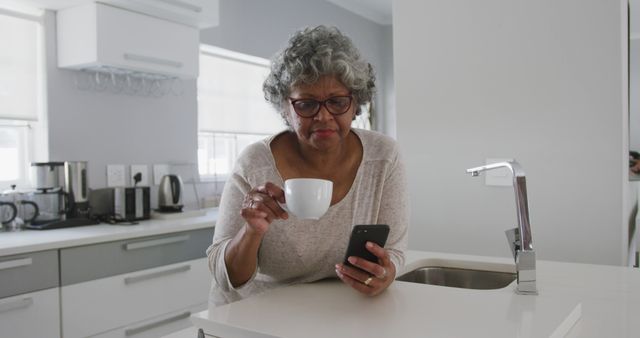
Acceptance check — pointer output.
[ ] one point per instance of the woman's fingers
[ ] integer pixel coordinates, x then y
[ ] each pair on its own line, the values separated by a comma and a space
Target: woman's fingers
274, 191
368, 277
260, 206
374, 269
271, 194
352, 272
256, 218
372, 286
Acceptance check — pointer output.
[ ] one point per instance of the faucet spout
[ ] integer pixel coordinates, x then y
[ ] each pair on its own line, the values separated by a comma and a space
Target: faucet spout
520, 238
520, 189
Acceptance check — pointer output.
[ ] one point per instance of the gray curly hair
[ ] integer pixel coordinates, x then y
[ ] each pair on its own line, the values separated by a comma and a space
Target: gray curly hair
312, 53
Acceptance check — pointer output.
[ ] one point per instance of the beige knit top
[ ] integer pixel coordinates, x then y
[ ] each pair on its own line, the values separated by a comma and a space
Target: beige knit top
300, 251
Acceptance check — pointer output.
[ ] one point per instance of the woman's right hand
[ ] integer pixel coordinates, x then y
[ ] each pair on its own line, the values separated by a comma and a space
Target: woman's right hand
260, 207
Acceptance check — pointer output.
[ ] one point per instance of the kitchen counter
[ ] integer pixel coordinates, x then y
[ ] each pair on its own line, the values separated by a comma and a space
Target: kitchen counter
579, 300
38, 240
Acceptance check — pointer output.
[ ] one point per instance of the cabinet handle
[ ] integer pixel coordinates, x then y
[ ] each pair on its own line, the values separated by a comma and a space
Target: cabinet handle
152, 275
15, 263
183, 5
155, 242
151, 59
16, 304
145, 327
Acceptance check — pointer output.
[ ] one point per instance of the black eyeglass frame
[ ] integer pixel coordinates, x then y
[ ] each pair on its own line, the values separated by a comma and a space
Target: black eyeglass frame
321, 104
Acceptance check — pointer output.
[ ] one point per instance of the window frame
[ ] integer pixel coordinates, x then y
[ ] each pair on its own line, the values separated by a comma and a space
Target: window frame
217, 177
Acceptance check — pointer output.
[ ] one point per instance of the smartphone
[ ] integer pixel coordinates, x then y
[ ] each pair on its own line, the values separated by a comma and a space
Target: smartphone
360, 235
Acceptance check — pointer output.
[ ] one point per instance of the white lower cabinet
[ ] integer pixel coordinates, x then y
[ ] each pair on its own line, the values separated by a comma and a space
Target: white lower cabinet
150, 302
33, 314
158, 326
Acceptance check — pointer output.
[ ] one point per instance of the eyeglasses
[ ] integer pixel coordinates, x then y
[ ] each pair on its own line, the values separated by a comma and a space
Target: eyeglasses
335, 105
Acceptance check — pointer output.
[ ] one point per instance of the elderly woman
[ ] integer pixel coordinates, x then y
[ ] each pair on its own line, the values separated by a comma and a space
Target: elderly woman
318, 83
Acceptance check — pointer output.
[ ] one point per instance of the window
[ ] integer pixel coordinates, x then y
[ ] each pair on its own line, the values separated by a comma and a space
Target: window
21, 92
232, 111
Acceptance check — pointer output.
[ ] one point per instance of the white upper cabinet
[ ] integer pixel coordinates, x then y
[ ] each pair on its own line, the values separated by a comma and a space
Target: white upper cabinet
196, 13
97, 35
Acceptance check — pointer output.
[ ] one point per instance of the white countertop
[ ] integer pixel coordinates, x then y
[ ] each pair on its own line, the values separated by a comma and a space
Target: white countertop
12, 243
604, 300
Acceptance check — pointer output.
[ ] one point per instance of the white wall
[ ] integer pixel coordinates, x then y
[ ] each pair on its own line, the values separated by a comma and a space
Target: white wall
634, 75
105, 128
634, 91
539, 81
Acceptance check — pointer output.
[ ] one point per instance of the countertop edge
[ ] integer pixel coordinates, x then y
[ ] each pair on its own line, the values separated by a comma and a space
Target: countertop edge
42, 240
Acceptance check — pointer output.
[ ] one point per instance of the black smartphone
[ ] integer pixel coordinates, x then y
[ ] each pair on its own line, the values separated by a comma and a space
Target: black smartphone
360, 235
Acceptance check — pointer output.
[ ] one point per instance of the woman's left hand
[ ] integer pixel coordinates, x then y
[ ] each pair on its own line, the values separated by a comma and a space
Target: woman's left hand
371, 279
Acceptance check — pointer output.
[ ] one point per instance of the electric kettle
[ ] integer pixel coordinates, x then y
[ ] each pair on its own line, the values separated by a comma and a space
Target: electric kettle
170, 194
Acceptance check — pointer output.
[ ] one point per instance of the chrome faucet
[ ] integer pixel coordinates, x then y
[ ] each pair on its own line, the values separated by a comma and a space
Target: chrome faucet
519, 238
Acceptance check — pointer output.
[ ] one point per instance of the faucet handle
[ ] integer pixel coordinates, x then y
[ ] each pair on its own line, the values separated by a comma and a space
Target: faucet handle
512, 238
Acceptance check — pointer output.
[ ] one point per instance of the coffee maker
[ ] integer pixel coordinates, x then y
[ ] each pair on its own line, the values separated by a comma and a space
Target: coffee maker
62, 194
49, 195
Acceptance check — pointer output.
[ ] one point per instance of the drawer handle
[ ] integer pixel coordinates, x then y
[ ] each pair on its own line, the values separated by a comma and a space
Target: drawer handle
15, 305
15, 263
152, 59
141, 278
183, 5
155, 242
146, 327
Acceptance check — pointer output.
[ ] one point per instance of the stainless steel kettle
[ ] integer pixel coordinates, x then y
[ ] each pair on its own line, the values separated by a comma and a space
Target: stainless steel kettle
170, 194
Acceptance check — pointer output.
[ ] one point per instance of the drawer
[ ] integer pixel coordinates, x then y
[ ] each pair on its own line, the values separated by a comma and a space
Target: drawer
28, 272
85, 263
34, 314
105, 304
158, 326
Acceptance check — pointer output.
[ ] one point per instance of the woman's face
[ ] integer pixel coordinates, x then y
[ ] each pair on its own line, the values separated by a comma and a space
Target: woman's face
323, 131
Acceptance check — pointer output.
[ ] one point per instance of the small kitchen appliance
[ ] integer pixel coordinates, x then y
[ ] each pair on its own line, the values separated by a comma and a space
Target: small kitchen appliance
132, 203
115, 205
62, 202
21, 207
8, 212
170, 194
49, 195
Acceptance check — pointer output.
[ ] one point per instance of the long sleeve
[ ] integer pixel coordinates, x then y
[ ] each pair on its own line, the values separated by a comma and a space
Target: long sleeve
227, 226
394, 210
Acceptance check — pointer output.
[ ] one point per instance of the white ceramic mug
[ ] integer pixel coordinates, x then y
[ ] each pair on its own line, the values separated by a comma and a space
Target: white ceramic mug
307, 198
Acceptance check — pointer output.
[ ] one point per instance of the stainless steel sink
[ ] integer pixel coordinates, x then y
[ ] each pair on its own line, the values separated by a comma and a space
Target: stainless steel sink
459, 278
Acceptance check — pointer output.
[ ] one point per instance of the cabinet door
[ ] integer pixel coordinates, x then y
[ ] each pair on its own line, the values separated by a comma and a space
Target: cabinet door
35, 314
196, 13
89, 262
105, 304
99, 35
141, 42
28, 272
